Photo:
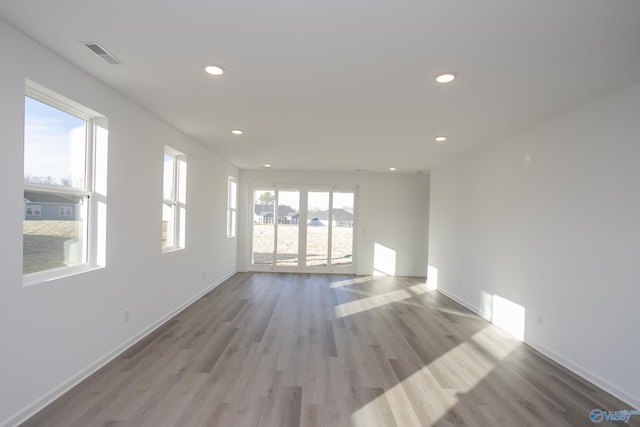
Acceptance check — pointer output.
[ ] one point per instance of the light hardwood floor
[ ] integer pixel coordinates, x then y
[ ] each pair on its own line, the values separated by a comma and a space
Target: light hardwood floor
325, 350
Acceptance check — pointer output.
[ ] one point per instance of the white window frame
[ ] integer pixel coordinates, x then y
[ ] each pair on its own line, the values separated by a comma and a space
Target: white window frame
232, 207
86, 192
177, 199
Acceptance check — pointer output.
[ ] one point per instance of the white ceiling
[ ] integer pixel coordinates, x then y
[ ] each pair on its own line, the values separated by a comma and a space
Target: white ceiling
347, 84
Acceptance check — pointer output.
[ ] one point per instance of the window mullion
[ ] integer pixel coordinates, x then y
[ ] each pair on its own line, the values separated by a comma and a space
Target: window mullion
89, 158
176, 197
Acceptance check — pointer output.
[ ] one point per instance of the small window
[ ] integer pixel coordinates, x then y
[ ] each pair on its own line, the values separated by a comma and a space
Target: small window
232, 207
174, 193
59, 147
65, 211
33, 210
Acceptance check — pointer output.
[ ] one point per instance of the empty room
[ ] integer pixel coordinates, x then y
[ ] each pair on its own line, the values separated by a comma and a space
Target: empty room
338, 213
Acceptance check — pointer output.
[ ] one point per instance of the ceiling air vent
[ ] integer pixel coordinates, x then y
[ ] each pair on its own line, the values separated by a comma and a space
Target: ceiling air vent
102, 53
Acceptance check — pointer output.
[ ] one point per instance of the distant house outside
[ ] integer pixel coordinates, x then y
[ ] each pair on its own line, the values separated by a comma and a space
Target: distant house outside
315, 222
51, 207
263, 214
341, 218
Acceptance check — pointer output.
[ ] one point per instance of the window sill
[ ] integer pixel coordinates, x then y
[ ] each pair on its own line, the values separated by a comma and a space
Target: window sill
169, 250
58, 273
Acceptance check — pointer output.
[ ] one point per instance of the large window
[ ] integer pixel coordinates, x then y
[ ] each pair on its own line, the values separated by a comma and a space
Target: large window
296, 228
174, 204
60, 222
232, 207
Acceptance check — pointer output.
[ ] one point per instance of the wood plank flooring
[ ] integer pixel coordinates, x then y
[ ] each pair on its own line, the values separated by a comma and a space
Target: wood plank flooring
324, 350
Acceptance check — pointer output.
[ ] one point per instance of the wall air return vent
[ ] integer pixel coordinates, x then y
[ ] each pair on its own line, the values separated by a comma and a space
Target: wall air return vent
102, 53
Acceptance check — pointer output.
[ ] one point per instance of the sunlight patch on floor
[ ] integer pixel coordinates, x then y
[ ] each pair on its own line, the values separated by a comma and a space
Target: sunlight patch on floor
456, 372
354, 281
364, 304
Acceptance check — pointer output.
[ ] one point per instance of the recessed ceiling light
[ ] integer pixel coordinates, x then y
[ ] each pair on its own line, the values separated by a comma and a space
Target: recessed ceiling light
392, 169
214, 70
445, 77
440, 138
237, 131
267, 165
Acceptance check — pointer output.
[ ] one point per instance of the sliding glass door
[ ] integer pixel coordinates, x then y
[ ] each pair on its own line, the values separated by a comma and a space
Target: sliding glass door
303, 230
263, 232
287, 228
317, 241
342, 212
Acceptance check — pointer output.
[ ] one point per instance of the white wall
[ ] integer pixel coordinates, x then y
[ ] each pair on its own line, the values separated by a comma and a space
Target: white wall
53, 333
392, 211
549, 219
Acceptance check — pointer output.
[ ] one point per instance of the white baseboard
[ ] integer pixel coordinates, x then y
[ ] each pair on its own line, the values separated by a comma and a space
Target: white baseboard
465, 304
633, 402
67, 385
629, 399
